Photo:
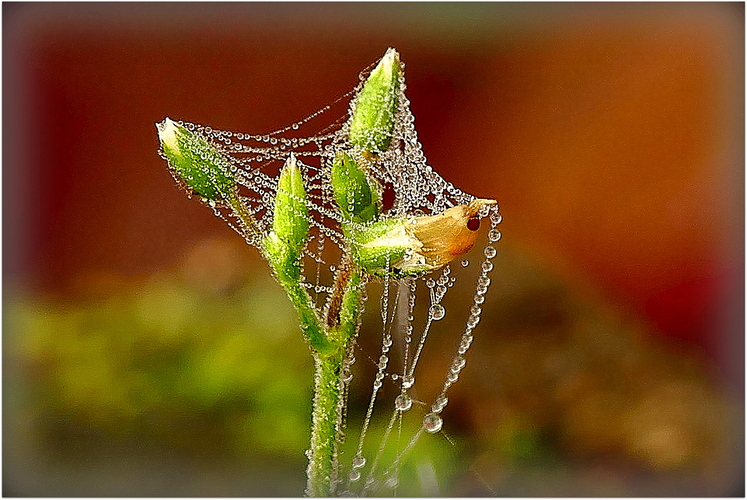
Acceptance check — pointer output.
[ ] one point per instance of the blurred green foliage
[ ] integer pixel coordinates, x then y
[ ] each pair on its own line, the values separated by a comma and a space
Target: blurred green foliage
164, 354
209, 374
561, 396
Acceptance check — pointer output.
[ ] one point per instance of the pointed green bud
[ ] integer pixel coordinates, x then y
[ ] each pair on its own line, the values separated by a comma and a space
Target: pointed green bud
290, 225
372, 124
195, 162
355, 193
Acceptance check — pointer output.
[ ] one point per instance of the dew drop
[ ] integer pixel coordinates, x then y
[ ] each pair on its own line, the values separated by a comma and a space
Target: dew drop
440, 403
473, 320
494, 235
479, 298
294, 126
403, 402
408, 381
496, 218
465, 263
359, 461
430, 283
458, 364
346, 376
392, 482
354, 475
437, 312
487, 266
383, 360
432, 423
490, 252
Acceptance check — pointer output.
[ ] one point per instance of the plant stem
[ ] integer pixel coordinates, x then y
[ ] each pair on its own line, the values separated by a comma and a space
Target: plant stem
326, 420
327, 414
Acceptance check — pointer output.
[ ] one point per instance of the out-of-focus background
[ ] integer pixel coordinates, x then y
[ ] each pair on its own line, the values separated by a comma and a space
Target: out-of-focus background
147, 351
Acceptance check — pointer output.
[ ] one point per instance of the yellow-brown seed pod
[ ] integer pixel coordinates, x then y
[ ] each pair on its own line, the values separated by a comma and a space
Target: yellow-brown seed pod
449, 234
413, 245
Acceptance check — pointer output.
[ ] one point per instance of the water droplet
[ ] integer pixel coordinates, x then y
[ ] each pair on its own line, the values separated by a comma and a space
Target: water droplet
475, 309
294, 126
392, 482
346, 376
359, 461
487, 266
440, 403
479, 298
496, 218
465, 343
473, 320
494, 235
465, 263
440, 290
458, 364
432, 423
437, 312
383, 360
430, 283
490, 252
408, 381
403, 402
354, 475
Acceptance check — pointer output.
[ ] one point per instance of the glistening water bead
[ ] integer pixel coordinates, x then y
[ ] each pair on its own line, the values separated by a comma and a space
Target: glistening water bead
403, 402
359, 461
432, 423
490, 252
494, 235
437, 312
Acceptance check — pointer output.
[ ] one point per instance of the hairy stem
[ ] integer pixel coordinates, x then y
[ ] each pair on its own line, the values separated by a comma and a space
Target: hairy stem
327, 414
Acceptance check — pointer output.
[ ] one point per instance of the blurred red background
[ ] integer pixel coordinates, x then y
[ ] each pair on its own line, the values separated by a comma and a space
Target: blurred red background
612, 135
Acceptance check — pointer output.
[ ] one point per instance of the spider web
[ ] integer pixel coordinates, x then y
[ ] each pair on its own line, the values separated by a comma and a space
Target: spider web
411, 309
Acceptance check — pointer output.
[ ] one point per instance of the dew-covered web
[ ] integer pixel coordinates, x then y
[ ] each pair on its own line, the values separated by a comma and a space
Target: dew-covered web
411, 310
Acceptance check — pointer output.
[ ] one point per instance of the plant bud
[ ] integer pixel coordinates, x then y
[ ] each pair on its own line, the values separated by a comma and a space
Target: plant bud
290, 225
354, 194
372, 123
195, 163
407, 246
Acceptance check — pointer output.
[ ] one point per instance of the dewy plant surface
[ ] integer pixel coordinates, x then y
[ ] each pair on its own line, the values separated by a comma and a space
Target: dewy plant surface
353, 205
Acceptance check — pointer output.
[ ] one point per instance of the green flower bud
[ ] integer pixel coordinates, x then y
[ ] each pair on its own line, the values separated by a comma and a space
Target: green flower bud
195, 162
353, 191
290, 226
372, 123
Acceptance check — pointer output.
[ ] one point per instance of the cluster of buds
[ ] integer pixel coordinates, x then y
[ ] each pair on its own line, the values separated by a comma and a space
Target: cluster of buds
399, 246
380, 245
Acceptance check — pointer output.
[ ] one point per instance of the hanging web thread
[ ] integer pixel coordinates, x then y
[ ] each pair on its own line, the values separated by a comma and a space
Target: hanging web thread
255, 162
